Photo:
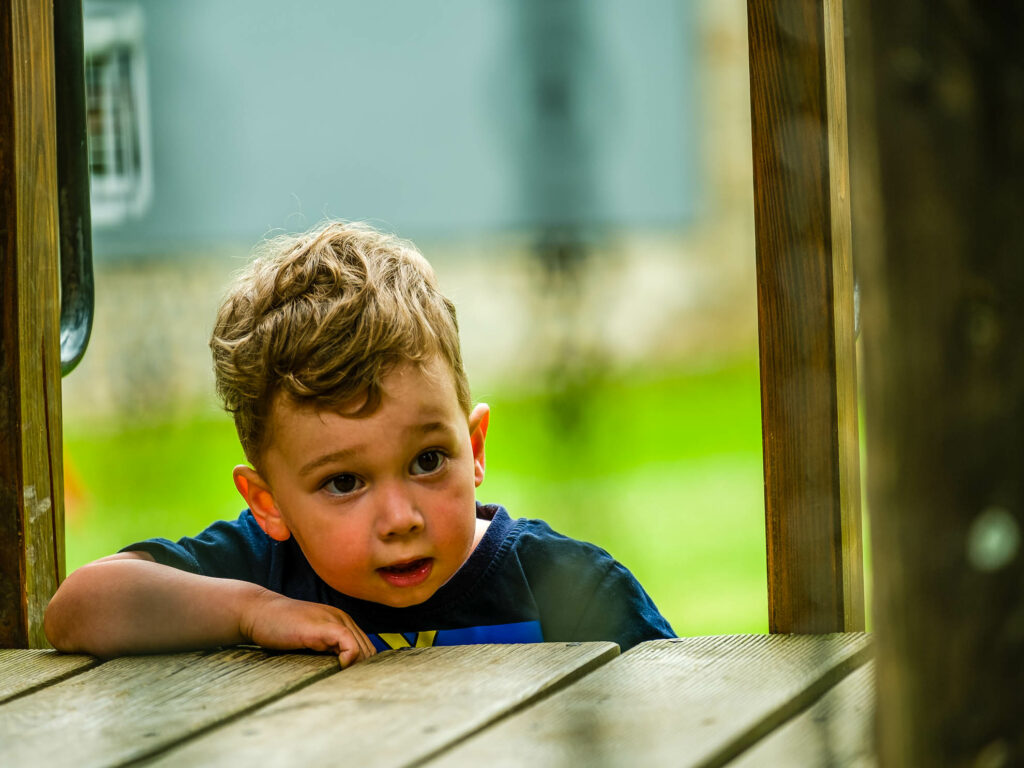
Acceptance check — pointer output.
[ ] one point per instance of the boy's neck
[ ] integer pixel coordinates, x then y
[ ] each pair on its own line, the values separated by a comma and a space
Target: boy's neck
481, 529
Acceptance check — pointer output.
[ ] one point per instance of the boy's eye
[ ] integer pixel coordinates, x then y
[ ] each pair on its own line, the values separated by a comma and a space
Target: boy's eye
342, 484
427, 462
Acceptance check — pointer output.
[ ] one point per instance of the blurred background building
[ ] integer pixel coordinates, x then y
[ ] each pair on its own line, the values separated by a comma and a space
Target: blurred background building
577, 171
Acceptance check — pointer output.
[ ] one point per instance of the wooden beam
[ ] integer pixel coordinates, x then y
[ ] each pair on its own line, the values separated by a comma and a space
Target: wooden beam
31, 482
805, 310
940, 232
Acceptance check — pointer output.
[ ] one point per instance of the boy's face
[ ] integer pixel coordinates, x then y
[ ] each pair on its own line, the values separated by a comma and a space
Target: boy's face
383, 507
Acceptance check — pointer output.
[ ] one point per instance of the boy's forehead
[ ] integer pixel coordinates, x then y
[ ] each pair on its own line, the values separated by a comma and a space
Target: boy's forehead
416, 373
416, 400
427, 387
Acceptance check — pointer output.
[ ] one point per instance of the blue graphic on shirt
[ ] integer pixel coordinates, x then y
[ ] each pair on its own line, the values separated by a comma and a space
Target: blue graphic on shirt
519, 632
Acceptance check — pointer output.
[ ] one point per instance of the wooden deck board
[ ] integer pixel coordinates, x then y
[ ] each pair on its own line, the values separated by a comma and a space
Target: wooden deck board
131, 707
395, 709
692, 701
835, 731
25, 670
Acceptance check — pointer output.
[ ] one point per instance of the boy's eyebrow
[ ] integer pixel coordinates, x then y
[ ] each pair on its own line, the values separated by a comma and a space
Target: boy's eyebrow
329, 458
345, 453
430, 426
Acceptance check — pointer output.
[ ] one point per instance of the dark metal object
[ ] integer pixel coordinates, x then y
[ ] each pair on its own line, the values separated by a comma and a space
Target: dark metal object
76, 278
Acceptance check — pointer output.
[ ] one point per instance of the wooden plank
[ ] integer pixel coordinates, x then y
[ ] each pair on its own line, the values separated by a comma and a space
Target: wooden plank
132, 707
835, 731
31, 475
688, 702
805, 316
940, 234
396, 709
22, 671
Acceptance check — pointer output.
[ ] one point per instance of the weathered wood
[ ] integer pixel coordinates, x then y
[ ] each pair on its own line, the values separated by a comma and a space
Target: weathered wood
31, 475
836, 731
687, 702
22, 671
805, 315
132, 707
396, 709
939, 196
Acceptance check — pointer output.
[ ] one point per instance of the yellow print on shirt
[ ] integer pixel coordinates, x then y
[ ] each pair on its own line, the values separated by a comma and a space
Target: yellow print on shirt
396, 640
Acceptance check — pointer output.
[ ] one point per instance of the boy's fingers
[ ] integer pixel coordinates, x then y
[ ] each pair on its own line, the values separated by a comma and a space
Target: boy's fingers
364, 643
351, 645
365, 646
348, 656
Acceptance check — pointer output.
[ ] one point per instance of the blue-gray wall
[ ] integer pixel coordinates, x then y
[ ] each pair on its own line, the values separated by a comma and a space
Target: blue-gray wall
410, 113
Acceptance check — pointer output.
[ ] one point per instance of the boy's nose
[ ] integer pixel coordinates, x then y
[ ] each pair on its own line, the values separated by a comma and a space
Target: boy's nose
398, 515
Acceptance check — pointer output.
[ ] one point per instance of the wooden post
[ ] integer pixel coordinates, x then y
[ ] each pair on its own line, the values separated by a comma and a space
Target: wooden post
939, 183
31, 482
805, 310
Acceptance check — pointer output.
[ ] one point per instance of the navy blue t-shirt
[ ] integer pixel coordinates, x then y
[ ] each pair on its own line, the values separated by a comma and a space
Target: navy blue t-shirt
523, 583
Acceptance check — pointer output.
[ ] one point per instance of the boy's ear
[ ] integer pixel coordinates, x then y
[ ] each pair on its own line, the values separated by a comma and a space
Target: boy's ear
478, 421
257, 495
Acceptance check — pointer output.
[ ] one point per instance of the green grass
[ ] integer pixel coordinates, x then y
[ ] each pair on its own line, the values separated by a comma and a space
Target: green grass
134, 482
661, 468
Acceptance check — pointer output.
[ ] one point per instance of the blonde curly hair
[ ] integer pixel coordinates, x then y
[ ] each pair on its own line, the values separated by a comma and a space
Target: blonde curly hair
323, 317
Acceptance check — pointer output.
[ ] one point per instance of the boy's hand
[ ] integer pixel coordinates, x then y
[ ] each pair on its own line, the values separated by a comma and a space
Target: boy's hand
274, 621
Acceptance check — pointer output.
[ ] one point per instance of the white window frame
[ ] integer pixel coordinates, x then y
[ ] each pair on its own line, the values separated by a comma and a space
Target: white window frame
113, 32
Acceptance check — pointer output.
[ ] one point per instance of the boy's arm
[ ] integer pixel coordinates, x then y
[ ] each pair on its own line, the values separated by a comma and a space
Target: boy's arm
127, 603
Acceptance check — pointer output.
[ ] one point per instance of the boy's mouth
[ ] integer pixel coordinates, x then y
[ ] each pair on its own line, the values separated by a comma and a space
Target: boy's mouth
407, 574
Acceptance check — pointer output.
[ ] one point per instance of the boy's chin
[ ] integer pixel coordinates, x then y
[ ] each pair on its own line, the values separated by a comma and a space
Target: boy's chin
404, 598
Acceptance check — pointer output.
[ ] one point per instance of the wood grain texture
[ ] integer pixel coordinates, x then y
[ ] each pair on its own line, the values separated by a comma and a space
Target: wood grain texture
22, 671
835, 731
805, 315
844, 331
395, 709
687, 702
132, 707
939, 201
31, 475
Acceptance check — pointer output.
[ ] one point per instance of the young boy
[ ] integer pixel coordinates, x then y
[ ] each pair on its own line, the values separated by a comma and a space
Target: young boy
340, 361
